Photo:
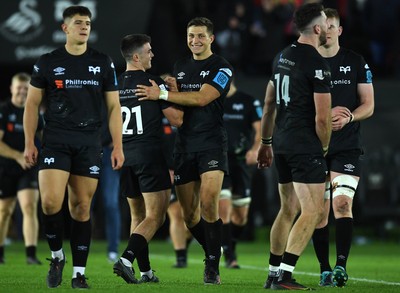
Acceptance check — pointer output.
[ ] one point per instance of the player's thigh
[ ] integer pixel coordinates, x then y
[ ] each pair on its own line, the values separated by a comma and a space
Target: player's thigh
28, 199
52, 185
156, 203
81, 189
7, 206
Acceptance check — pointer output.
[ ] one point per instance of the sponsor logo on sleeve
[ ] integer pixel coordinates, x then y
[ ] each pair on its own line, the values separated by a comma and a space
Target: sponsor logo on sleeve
319, 75
221, 79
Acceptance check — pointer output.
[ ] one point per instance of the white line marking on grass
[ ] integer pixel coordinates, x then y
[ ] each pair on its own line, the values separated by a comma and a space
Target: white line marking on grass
159, 256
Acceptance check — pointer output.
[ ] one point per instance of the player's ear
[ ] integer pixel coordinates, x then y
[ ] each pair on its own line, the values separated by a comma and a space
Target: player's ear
64, 28
212, 38
340, 30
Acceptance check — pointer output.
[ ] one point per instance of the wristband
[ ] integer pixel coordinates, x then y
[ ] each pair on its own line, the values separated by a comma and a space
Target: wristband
351, 117
266, 141
163, 95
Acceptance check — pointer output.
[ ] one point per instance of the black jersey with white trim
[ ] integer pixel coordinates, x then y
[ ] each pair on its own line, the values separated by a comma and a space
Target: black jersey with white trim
203, 127
11, 119
298, 72
240, 112
142, 129
348, 70
74, 94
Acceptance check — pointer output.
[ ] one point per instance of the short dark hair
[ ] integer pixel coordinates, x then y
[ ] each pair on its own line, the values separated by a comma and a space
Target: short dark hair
332, 13
76, 9
306, 14
202, 21
131, 43
22, 76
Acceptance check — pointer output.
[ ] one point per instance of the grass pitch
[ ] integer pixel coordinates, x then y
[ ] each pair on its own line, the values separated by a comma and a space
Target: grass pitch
373, 267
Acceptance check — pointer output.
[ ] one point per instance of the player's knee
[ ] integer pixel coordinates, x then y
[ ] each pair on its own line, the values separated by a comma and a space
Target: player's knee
327, 194
344, 185
225, 194
241, 202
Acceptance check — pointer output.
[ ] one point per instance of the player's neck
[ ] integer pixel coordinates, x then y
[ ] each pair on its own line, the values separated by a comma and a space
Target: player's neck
203, 55
76, 49
308, 40
134, 67
328, 52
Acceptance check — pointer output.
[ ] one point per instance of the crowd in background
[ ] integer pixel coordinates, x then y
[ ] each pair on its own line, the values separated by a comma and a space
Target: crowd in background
250, 32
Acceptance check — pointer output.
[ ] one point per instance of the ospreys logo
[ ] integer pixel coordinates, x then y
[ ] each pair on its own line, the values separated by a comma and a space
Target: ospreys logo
204, 73
48, 161
345, 69
94, 69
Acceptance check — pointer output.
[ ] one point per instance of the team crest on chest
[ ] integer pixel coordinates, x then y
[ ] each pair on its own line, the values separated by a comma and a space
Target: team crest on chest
94, 69
204, 73
345, 69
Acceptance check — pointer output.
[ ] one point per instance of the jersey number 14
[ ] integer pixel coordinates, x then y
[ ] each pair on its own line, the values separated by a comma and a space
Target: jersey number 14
282, 89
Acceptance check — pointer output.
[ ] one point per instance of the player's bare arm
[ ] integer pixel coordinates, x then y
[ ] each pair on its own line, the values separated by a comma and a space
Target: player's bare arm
323, 118
174, 116
201, 98
265, 152
115, 127
367, 103
30, 122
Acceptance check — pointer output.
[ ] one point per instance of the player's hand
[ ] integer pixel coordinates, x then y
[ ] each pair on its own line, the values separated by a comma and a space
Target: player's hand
172, 84
31, 155
340, 111
22, 162
251, 157
148, 92
340, 117
265, 156
117, 158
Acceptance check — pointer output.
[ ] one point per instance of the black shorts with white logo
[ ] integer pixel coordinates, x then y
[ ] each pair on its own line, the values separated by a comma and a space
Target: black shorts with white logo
239, 178
14, 179
189, 166
346, 162
143, 178
75, 159
302, 168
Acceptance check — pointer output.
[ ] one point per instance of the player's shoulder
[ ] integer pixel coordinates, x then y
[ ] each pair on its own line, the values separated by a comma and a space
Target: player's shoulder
184, 61
350, 54
4, 105
97, 55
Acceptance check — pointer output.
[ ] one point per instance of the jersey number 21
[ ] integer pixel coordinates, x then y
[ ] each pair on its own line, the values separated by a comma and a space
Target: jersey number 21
137, 111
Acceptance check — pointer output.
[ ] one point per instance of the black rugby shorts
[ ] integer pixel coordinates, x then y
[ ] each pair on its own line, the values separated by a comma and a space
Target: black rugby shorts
144, 178
302, 168
239, 178
75, 159
15, 179
345, 162
189, 166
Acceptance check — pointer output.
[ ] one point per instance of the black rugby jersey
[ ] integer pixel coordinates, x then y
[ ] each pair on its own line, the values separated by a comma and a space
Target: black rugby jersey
11, 119
298, 71
142, 131
74, 94
202, 127
348, 69
240, 112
